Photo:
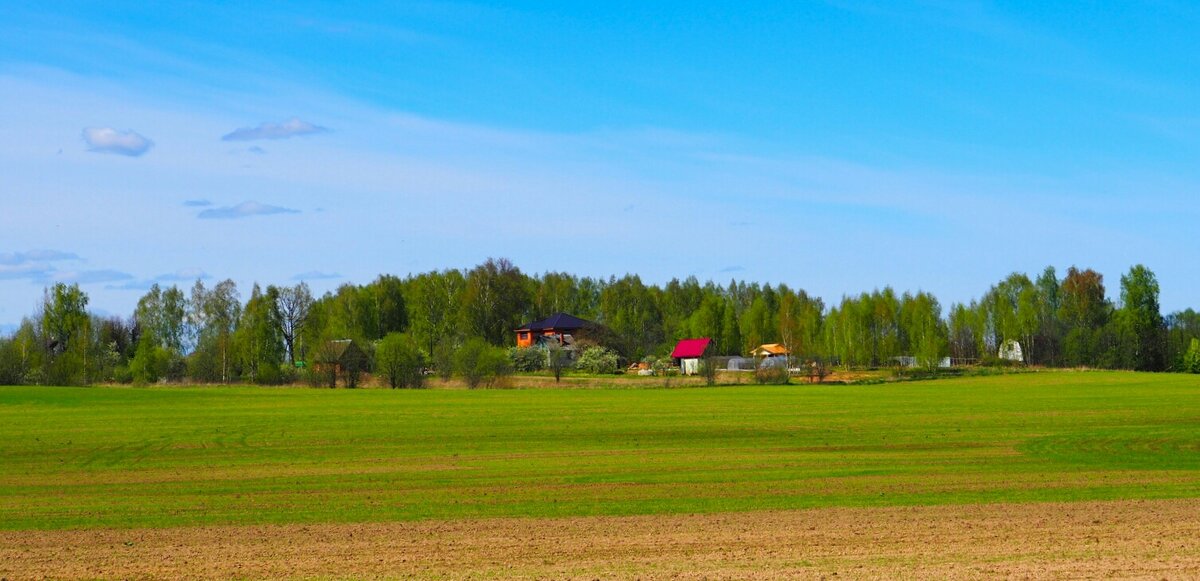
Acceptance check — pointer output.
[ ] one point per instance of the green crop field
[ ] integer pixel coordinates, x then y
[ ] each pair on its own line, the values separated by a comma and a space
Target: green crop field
132, 457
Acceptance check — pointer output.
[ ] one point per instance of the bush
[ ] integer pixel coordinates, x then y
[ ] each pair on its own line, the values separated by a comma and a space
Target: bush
1191, 359
480, 363
287, 374
772, 375
664, 368
121, 374
149, 362
527, 359
400, 361
314, 378
708, 370
598, 360
443, 360
558, 360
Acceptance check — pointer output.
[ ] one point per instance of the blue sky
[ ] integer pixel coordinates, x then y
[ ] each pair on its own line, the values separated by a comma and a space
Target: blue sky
836, 146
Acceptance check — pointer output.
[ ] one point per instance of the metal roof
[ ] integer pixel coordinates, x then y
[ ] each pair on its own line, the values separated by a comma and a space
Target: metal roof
690, 348
557, 321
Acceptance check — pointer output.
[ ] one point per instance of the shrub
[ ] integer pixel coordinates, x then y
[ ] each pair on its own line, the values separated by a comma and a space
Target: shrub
598, 360
314, 378
149, 362
400, 361
527, 359
557, 360
443, 360
1191, 359
287, 374
121, 374
664, 368
708, 370
772, 375
480, 363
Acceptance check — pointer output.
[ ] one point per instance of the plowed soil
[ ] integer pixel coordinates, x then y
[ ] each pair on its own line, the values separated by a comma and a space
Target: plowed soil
1152, 539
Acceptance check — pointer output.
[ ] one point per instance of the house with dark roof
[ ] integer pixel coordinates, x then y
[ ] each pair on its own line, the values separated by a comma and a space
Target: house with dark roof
559, 327
688, 353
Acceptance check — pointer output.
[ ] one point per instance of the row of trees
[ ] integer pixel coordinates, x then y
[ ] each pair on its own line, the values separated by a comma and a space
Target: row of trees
210, 334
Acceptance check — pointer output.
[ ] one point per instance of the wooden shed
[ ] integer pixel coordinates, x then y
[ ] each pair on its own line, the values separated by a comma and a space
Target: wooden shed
341, 358
688, 353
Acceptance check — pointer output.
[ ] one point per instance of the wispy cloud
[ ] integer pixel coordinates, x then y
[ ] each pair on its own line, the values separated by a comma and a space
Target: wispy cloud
243, 210
89, 276
256, 149
32, 271
184, 276
316, 275
109, 140
32, 264
12, 258
293, 127
734, 268
197, 203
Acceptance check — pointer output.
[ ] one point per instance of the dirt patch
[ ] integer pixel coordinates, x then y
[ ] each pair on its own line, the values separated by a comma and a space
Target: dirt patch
1151, 539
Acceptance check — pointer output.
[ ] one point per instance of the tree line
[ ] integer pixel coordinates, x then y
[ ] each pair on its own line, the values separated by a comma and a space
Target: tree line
210, 334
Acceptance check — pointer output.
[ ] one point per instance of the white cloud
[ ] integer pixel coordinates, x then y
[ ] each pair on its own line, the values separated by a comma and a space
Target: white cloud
293, 127
109, 140
243, 210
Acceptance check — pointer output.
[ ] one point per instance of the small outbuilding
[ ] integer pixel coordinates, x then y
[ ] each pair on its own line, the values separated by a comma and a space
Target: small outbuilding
341, 357
688, 353
1011, 351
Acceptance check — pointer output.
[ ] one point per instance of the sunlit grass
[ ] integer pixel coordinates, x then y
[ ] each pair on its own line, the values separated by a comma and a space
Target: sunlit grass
84, 457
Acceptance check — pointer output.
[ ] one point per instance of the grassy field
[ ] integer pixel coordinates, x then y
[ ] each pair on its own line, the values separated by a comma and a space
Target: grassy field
157, 457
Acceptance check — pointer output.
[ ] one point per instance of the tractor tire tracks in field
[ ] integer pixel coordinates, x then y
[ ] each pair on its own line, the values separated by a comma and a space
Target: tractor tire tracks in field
1152, 538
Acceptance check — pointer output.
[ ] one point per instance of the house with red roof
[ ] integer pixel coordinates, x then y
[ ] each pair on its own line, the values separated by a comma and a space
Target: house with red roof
689, 352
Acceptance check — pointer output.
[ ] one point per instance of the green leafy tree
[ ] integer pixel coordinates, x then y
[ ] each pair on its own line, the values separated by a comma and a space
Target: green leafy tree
1142, 321
259, 337
66, 326
216, 313
434, 298
629, 308
494, 301
1084, 311
388, 292
292, 306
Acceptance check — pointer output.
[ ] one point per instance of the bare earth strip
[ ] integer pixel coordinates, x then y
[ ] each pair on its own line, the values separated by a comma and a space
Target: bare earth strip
1129, 539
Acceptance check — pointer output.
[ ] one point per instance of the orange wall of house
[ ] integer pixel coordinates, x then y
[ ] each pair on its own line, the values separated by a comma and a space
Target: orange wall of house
528, 341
